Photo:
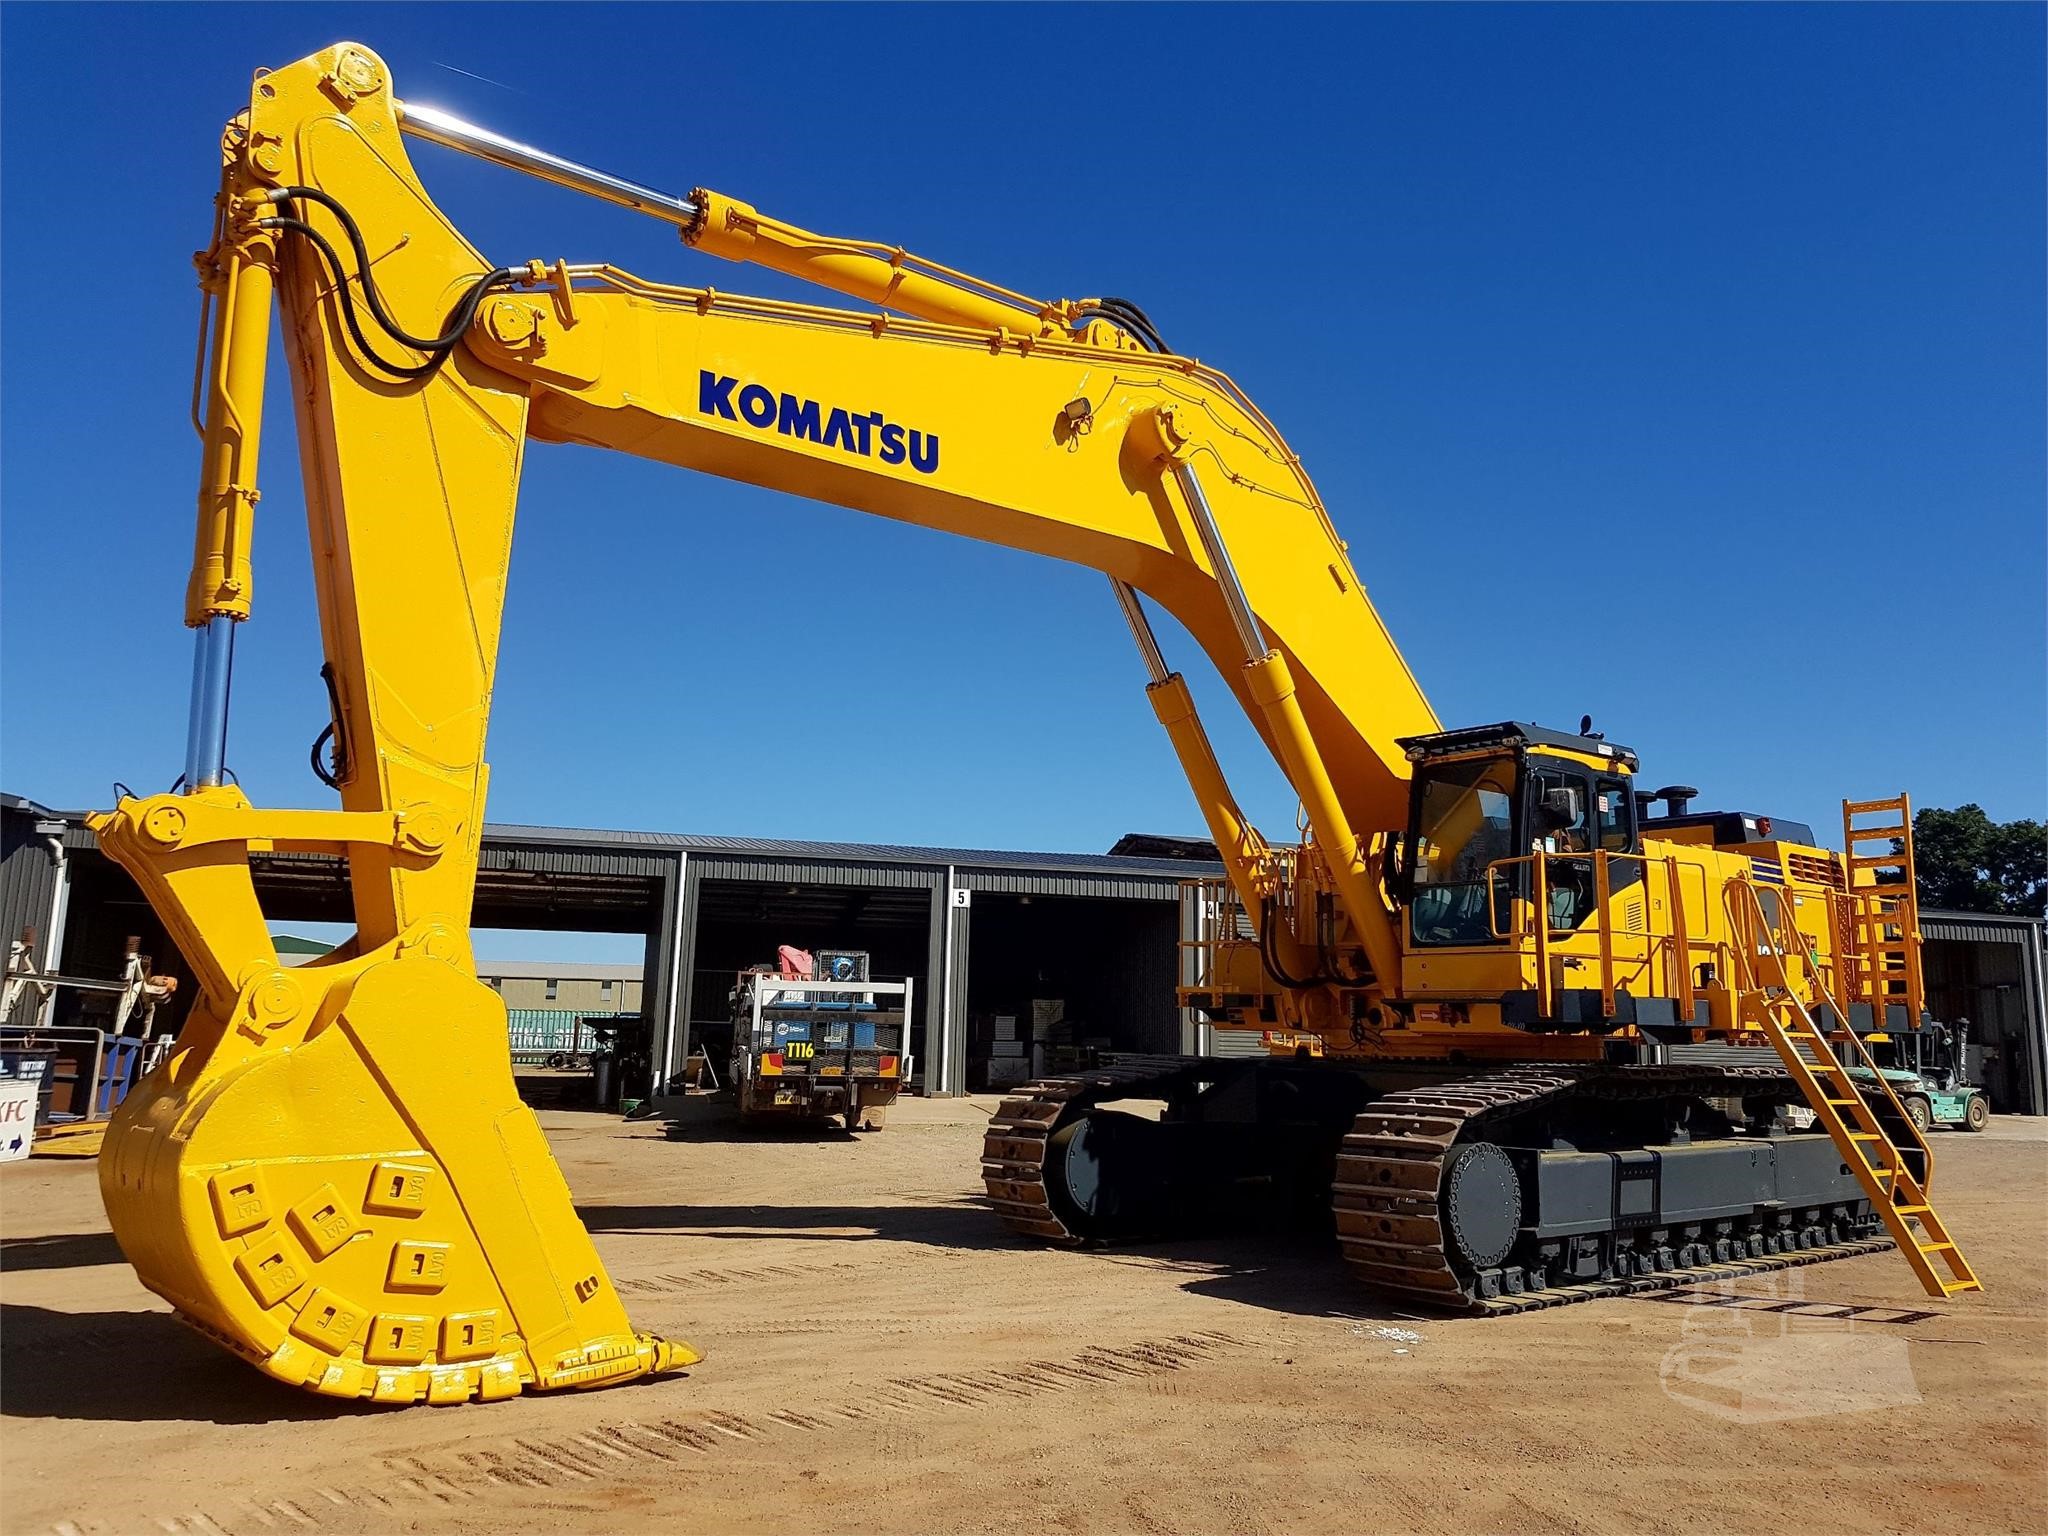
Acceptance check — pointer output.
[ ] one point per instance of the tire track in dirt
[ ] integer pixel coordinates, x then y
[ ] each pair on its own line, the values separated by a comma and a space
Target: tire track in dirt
448, 1482
862, 1326
710, 1279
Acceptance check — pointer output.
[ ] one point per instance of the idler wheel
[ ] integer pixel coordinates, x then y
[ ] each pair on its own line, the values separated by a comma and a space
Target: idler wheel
1076, 1165
1482, 1204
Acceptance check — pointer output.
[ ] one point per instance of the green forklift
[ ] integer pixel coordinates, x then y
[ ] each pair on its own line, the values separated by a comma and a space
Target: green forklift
1927, 1068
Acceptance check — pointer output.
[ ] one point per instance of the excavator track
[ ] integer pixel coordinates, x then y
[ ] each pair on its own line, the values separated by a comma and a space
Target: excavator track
1014, 1153
1391, 1179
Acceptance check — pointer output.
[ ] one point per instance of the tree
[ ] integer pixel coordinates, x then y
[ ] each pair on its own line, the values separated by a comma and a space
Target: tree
1969, 863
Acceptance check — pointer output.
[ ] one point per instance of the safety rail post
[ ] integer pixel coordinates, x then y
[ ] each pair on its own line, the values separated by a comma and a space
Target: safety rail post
1842, 918
1208, 914
1602, 890
1681, 943
1842, 923
1546, 934
1493, 926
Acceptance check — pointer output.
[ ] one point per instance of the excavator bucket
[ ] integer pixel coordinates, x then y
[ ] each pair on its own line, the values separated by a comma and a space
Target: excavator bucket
332, 1175
338, 1182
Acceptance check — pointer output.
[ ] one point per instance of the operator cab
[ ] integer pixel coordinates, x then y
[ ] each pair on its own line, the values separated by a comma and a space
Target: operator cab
1490, 793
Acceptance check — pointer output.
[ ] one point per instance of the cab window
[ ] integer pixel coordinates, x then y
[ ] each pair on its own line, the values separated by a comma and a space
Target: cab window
1558, 812
1614, 816
1464, 822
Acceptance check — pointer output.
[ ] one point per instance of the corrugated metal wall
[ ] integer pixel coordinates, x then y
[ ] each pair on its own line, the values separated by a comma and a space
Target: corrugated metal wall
592, 860
1139, 993
727, 866
28, 879
1061, 883
1971, 930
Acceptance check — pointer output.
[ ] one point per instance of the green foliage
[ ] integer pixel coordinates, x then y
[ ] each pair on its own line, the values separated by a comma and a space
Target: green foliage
1969, 863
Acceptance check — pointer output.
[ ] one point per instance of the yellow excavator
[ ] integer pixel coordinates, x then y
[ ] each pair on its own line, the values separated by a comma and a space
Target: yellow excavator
1523, 1041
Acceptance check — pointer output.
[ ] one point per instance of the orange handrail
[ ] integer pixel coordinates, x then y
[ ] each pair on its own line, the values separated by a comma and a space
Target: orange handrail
1681, 943
1545, 932
1759, 939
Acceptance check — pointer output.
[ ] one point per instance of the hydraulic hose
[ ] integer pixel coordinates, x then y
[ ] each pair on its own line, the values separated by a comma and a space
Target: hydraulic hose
438, 348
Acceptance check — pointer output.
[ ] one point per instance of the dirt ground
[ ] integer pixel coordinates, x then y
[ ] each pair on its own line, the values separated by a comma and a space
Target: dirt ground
881, 1358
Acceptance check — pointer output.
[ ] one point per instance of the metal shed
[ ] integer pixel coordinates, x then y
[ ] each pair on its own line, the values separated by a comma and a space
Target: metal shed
933, 914
35, 854
980, 931
1989, 969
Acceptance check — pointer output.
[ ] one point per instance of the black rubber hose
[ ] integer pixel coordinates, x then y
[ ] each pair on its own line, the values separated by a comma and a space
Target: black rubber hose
320, 769
320, 243
1269, 955
1134, 320
371, 296
332, 731
439, 351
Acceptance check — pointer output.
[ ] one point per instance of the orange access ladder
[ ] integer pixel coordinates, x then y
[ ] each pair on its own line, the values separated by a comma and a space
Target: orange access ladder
1881, 956
1879, 1163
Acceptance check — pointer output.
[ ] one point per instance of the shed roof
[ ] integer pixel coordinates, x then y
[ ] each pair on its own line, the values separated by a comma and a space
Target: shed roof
616, 840
852, 853
1979, 927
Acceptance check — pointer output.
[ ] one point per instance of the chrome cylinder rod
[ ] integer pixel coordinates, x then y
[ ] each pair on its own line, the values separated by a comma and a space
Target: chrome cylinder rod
438, 127
213, 666
1141, 630
1248, 633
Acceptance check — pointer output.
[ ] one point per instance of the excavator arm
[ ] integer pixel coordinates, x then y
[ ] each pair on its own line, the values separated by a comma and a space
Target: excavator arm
333, 1173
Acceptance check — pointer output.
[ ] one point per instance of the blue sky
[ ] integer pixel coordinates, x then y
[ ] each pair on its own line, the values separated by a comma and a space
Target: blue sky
1680, 365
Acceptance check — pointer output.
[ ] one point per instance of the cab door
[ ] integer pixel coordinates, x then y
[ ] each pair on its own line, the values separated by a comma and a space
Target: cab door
1572, 813
1462, 820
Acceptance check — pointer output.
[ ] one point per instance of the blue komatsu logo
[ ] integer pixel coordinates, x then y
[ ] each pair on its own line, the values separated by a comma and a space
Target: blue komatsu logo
867, 434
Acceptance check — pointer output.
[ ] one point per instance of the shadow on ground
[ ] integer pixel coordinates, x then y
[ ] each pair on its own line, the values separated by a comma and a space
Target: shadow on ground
139, 1366
59, 1250
733, 1129
1298, 1273
716, 1118
964, 1222
1278, 1271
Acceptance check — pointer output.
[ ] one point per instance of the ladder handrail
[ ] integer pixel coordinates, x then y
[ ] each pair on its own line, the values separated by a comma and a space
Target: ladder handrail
1772, 939
1864, 1143
1866, 915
